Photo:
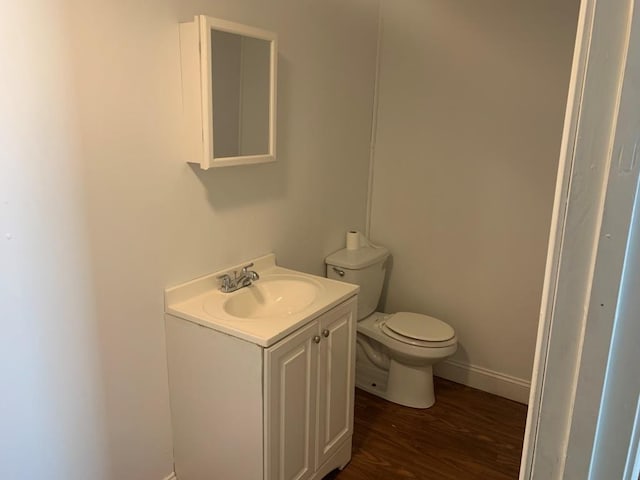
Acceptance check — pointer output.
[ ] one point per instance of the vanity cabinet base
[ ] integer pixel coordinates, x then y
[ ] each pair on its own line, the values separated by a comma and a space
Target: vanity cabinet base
240, 411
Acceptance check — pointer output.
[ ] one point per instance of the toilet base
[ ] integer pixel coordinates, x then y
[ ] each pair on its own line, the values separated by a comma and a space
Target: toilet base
412, 388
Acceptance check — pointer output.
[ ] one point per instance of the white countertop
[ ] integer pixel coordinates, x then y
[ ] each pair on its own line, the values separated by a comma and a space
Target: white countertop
188, 300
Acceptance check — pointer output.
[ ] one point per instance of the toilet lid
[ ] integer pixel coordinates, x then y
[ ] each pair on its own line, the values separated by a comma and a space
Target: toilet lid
420, 327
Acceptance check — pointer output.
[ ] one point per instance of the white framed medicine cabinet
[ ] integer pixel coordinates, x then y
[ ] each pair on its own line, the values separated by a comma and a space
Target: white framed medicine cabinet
228, 92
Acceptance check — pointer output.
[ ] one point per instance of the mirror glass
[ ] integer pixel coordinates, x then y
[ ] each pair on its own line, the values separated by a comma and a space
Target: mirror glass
240, 68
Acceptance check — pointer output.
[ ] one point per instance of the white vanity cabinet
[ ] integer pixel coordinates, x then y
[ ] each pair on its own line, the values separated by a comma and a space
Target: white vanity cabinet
245, 412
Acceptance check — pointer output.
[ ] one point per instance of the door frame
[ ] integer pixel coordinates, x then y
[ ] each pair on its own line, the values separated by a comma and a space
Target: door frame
593, 211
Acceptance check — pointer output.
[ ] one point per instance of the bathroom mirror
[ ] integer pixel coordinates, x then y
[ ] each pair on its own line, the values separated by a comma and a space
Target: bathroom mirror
229, 92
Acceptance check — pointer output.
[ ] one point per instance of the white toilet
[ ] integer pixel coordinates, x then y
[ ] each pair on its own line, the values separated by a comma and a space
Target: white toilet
396, 352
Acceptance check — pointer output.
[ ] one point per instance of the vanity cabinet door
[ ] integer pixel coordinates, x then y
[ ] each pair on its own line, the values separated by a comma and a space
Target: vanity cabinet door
336, 379
291, 368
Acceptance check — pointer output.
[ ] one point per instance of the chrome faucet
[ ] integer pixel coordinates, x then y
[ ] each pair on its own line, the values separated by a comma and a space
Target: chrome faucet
244, 279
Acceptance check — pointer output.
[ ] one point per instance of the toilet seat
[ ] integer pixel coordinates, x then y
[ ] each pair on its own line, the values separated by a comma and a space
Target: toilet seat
418, 330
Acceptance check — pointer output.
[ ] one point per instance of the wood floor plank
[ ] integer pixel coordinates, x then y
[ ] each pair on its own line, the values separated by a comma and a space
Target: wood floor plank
467, 434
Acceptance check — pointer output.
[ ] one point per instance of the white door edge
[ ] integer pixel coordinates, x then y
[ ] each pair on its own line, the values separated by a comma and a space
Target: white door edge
573, 328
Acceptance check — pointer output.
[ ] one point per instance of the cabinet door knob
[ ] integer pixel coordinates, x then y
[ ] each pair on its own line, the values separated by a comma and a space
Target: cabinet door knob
316, 339
325, 333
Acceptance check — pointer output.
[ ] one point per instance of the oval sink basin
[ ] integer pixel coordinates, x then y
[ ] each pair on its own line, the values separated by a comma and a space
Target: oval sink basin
272, 296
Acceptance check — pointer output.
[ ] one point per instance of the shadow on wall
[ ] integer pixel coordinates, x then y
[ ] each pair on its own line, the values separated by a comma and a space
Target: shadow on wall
244, 185
462, 357
382, 305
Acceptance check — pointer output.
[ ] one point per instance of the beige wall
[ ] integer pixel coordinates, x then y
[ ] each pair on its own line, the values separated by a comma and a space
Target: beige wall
105, 215
471, 105
52, 405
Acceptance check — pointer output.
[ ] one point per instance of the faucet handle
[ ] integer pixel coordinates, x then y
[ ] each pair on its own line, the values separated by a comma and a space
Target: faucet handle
226, 282
253, 275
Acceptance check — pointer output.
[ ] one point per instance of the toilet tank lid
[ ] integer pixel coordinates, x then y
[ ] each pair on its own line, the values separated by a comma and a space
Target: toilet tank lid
357, 259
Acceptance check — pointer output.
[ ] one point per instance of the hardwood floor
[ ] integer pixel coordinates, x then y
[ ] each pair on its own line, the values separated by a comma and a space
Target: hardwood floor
467, 434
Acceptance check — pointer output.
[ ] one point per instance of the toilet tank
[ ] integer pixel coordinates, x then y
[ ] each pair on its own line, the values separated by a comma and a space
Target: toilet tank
365, 267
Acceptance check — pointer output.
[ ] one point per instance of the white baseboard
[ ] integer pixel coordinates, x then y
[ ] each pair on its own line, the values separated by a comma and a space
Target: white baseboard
484, 379
171, 477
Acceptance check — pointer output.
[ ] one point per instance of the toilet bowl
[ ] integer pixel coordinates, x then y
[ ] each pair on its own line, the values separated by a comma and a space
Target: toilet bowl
403, 347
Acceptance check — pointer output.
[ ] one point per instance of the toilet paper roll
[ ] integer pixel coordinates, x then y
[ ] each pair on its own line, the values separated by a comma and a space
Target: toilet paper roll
353, 240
